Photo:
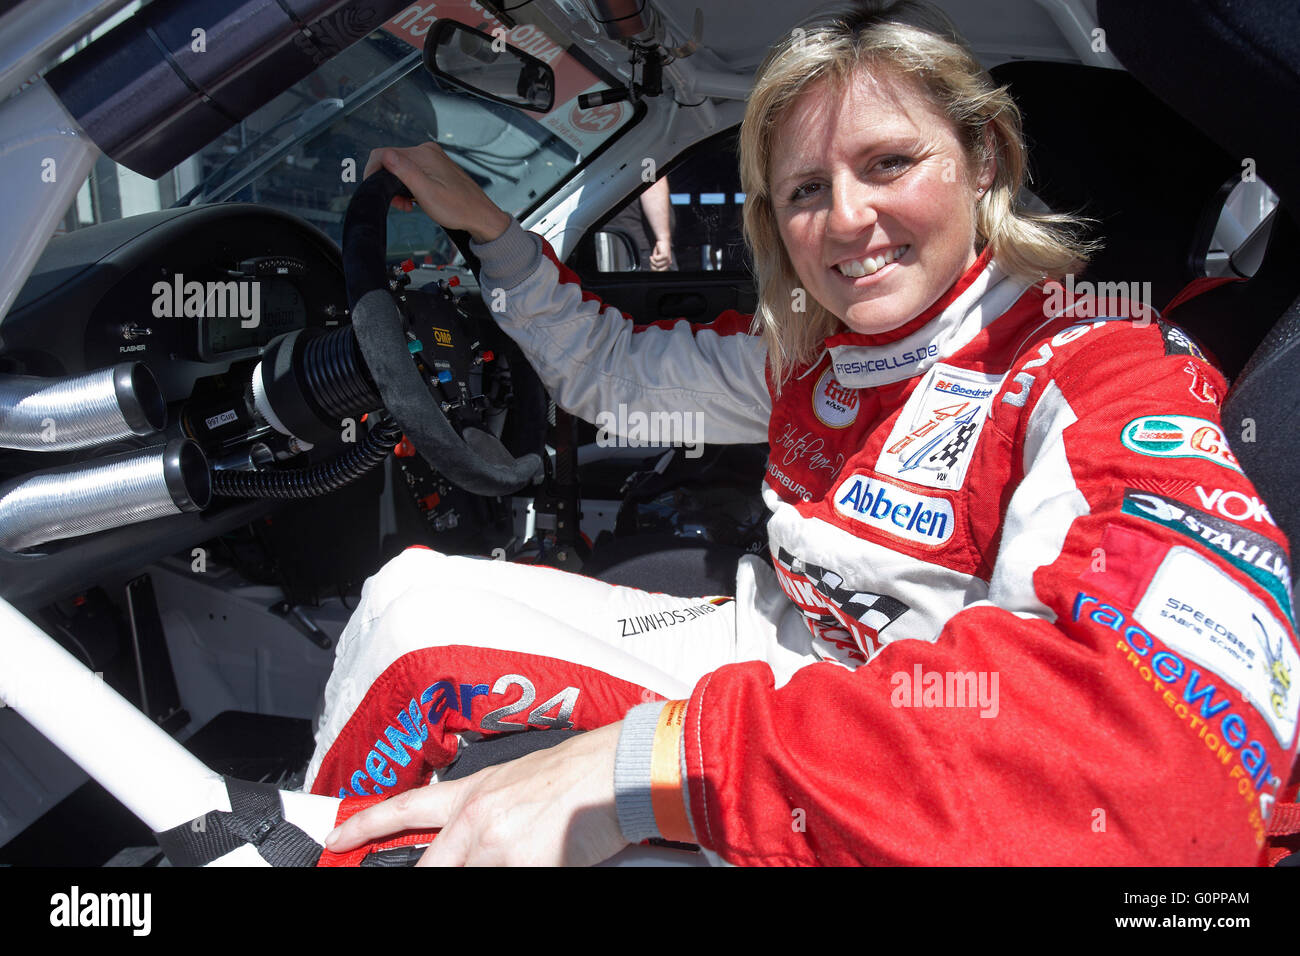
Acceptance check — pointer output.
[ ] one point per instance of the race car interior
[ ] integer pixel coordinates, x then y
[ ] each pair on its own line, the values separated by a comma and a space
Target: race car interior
221, 481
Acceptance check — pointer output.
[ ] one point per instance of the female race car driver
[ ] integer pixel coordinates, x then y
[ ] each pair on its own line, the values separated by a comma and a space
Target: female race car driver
1024, 607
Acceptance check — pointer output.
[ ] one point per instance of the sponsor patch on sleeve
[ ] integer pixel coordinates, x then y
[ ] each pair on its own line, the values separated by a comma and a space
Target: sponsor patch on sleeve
1202, 614
1178, 436
1248, 550
1178, 342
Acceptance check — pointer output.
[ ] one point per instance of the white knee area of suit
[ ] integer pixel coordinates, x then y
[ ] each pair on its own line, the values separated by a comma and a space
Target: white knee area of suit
422, 599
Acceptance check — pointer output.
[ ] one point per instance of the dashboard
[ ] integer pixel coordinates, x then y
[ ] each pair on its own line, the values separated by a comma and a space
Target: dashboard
195, 294
177, 290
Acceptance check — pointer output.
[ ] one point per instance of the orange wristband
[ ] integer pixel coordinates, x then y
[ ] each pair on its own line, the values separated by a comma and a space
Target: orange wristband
666, 797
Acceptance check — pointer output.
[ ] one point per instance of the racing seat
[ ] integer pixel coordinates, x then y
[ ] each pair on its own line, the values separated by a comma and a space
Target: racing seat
717, 517
1265, 397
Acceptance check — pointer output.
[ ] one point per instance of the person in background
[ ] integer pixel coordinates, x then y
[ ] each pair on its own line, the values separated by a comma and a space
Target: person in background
657, 210
648, 225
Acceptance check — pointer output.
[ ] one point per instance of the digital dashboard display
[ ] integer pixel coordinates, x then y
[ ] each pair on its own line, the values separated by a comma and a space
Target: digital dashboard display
278, 307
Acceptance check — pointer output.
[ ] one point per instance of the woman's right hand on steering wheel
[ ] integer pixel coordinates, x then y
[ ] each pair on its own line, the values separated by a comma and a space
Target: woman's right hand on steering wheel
442, 189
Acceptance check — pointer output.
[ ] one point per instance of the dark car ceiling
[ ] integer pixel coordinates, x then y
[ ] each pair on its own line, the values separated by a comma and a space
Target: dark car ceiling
1230, 67
739, 32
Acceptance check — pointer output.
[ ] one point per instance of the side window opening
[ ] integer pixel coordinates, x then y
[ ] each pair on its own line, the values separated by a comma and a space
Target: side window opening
704, 207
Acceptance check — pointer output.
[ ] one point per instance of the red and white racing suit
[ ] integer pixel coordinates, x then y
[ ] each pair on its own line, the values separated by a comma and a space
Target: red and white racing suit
1024, 607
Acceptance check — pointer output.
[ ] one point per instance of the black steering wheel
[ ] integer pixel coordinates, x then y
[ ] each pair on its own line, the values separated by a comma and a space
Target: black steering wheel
424, 385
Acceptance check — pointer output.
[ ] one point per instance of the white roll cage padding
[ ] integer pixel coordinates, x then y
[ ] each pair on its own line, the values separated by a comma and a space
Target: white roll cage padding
135, 760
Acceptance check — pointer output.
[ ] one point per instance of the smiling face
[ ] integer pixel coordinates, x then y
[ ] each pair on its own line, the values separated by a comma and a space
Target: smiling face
875, 199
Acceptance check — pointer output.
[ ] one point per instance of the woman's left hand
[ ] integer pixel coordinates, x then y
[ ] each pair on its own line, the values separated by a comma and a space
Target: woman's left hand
551, 807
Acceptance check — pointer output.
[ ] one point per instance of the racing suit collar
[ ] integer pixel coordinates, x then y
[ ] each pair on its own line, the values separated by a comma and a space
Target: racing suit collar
860, 360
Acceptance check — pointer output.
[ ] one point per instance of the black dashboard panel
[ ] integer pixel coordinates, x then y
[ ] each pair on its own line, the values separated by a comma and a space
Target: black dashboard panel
103, 295
108, 293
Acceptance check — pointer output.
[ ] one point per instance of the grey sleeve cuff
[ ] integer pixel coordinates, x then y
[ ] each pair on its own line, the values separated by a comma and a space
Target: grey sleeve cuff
508, 259
636, 817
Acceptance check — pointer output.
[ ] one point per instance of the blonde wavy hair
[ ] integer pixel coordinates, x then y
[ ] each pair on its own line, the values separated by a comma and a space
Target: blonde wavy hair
915, 40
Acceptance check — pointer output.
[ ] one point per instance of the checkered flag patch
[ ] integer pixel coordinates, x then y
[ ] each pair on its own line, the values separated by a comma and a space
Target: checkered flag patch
876, 611
952, 450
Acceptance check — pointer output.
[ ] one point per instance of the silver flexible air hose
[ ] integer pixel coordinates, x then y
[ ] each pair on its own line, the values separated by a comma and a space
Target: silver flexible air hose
79, 411
105, 493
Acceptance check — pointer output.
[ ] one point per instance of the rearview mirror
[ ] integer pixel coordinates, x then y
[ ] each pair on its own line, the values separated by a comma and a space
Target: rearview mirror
484, 65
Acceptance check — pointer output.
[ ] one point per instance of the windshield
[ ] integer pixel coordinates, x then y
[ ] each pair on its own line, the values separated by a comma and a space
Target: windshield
305, 150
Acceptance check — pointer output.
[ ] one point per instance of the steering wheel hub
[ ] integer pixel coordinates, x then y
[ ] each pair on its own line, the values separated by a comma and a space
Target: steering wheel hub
426, 386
